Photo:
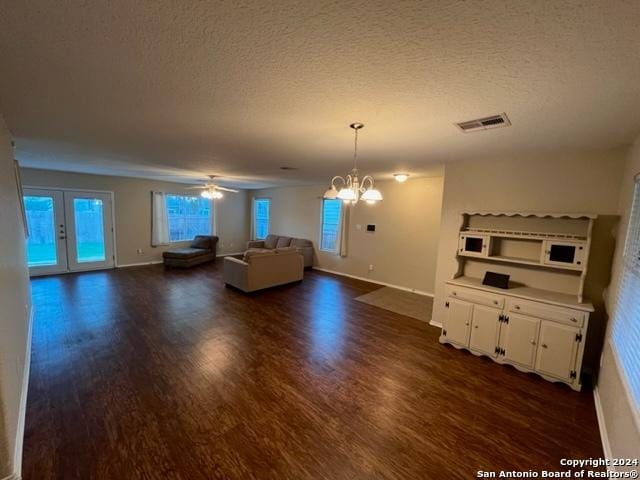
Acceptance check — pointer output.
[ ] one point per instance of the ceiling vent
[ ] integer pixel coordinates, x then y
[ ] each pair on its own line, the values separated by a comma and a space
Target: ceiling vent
494, 121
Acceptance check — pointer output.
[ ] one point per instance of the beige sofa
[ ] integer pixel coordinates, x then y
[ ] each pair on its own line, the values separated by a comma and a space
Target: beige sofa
302, 245
258, 270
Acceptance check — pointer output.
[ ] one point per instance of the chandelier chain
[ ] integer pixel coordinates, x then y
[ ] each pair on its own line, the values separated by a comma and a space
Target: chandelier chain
355, 151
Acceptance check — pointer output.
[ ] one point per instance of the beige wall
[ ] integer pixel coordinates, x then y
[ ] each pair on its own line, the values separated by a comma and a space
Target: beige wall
133, 211
623, 434
15, 306
402, 249
559, 182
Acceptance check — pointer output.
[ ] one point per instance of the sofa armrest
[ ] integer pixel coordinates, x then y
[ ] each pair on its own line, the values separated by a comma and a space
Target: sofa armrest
255, 244
236, 273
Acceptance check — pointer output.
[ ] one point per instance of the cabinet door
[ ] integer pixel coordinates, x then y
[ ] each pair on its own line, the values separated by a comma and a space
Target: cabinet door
519, 338
557, 350
485, 327
458, 321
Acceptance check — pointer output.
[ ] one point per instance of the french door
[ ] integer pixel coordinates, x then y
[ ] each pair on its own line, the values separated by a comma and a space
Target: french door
69, 230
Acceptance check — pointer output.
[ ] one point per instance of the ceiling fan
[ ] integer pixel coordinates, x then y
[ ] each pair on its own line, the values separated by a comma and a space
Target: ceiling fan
211, 190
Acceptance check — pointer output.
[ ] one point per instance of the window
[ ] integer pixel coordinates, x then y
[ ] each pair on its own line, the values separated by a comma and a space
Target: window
626, 326
261, 207
188, 216
330, 227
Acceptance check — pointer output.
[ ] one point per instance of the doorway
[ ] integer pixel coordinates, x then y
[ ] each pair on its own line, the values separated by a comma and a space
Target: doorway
69, 230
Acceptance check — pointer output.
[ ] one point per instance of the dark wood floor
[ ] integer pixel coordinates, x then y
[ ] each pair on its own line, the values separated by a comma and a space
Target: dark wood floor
153, 374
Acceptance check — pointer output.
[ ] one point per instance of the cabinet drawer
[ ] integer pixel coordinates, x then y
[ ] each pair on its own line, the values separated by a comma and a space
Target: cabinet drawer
547, 312
475, 296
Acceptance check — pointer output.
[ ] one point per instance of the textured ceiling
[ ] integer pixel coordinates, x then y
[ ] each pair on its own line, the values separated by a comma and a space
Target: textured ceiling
168, 89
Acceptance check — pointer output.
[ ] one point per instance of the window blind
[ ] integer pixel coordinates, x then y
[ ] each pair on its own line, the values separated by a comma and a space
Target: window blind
626, 326
187, 216
261, 214
330, 224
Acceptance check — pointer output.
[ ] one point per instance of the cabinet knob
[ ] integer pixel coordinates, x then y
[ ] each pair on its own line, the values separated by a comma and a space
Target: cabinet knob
574, 320
544, 345
467, 324
475, 326
533, 342
454, 293
495, 302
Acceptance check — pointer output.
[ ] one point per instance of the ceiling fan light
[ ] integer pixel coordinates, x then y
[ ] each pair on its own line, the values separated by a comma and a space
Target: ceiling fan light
205, 194
372, 195
401, 177
216, 194
347, 194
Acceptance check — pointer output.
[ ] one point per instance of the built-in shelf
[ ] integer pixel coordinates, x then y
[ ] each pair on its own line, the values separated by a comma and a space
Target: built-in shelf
539, 246
522, 261
525, 235
526, 293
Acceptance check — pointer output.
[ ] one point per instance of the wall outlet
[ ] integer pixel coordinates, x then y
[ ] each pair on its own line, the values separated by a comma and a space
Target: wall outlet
139, 251
371, 268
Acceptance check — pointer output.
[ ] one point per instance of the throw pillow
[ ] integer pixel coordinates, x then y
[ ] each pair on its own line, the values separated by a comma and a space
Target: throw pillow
271, 241
283, 242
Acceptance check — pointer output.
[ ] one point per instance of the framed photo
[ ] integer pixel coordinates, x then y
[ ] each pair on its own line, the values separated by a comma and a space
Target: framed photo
16, 167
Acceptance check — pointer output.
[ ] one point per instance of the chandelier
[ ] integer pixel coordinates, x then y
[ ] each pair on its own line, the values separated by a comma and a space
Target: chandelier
352, 189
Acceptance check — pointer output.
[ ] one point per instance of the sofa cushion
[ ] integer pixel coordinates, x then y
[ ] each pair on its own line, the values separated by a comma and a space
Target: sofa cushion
283, 242
185, 252
271, 241
301, 242
253, 252
286, 249
201, 241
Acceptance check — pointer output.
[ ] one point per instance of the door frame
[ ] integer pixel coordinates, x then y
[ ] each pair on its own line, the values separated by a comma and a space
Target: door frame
113, 223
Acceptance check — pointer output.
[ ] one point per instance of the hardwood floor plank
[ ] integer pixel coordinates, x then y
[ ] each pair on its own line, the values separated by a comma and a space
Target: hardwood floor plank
147, 373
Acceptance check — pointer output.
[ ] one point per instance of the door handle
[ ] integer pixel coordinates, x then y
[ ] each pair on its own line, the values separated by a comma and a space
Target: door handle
62, 237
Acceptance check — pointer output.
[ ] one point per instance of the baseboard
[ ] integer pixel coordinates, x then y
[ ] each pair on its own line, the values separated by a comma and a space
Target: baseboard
377, 282
604, 437
22, 412
433, 323
229, 254
140, 264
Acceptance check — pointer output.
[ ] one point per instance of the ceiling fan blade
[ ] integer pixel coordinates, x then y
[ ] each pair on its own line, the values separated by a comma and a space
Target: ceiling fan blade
196, 187
227, 189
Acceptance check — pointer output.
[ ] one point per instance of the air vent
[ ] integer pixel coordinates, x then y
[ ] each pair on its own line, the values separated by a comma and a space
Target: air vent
494, 121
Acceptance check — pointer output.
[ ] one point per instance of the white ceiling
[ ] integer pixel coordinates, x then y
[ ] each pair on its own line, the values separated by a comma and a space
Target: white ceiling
177, 90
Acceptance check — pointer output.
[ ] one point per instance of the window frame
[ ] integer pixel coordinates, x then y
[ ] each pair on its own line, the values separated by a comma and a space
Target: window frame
198, 197
336, 249
630, 266
254, 211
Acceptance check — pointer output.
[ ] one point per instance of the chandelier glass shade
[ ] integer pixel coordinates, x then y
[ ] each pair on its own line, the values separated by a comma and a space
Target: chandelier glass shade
351, 188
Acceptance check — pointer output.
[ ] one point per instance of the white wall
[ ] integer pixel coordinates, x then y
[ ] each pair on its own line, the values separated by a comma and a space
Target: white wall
15, 306
404, 246
622, 434
133, 210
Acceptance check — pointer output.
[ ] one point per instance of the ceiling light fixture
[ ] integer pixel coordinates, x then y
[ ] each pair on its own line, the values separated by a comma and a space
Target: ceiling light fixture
352, 189
401, 177
212, 191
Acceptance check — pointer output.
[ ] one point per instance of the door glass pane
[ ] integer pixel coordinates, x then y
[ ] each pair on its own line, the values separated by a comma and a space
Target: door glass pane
41, 245
89, 229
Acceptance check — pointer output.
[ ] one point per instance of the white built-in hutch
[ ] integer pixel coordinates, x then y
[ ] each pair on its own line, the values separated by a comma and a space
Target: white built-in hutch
539, 323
